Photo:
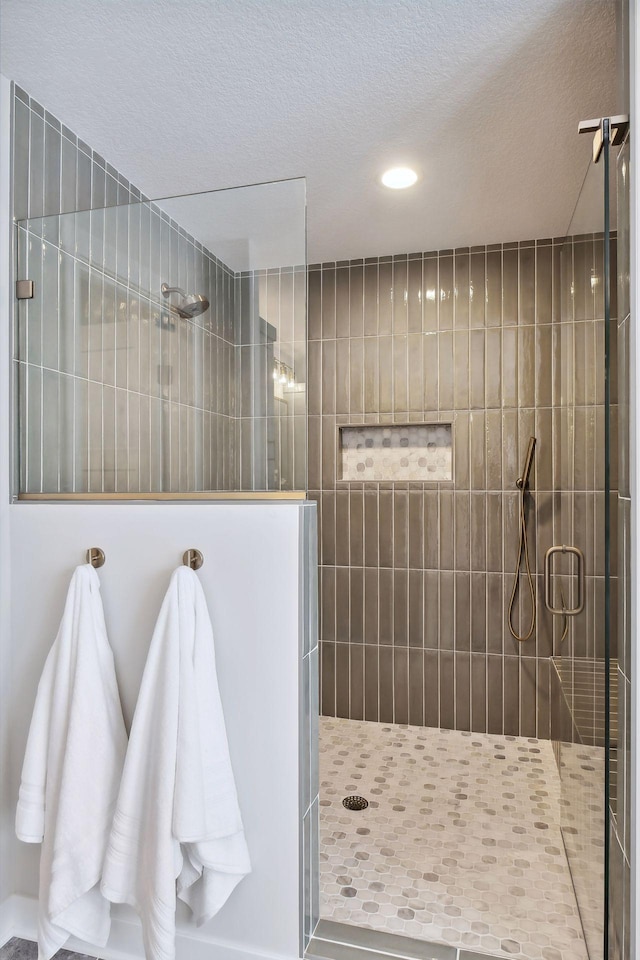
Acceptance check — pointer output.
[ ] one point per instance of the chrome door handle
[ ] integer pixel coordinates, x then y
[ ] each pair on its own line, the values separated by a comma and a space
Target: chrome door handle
576, 552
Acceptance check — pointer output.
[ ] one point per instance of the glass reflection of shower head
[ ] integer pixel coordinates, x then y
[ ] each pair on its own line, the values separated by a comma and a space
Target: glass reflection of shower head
523, 481
191, 305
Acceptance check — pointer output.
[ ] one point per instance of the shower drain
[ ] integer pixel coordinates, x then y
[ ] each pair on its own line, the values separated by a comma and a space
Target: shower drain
355, 803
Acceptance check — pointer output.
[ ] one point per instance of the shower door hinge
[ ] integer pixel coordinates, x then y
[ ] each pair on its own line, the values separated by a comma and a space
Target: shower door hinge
24, 289
618, 127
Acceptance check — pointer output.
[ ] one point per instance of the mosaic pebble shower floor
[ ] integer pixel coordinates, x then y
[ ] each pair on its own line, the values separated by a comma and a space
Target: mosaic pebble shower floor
460, 843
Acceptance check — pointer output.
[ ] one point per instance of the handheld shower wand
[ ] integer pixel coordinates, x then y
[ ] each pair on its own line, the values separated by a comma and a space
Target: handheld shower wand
522, 484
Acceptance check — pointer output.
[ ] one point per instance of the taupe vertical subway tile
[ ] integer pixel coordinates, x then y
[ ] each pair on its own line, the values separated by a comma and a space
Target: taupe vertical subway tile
356, 378
356, 527
400, 527
371, 528
462, 531
446, 530
447, 690
461, 473
400, 607
495, 613
371, 602
509, 367
527, 284
431, 688
371, 300
511, 696
328, 376
400, 368
476, 369
385, 298
526, 388
386, 603
314, 304
36, 165
430, 353
528, 697
463, 691
477, 446
463, 611
342, 528
385, 345
342, 302
494, 367
430, 294
343, 680
445, 291
342, 604
416, 529
328, 537
493, 314
431, 527
416, 608
510, 287
415, 372
357, 605
494, 695
385, 519
477, 293
478, 615
542, 699
478, 531
356, 301
371, 376
446, 637
493, 438
544, 284
416, 687
478, 693
385, 667
431, 609
461, 290
400, 297
445, 371
414, 296
328, 668
328, 303
371, 683
329, 443
343, 364
462, 365
356, 668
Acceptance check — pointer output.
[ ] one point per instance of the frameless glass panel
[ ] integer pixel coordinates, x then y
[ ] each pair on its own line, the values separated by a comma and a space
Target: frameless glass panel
164, 350
584, 488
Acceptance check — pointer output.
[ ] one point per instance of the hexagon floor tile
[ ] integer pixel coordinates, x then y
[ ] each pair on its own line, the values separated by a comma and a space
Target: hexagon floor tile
460, 843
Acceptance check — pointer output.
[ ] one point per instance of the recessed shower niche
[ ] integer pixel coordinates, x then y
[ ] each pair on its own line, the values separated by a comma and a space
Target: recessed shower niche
397, 451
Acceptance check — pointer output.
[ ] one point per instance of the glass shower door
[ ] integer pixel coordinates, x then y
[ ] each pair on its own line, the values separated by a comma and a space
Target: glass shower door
579, 579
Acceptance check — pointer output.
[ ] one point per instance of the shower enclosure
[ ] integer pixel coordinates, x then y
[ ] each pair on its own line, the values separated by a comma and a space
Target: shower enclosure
479, 736
160, 346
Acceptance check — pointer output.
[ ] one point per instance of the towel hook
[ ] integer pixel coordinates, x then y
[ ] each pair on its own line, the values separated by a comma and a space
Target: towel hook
192, 558
95, 556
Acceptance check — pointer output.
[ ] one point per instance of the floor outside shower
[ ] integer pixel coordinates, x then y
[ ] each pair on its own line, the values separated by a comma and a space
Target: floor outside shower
460, 844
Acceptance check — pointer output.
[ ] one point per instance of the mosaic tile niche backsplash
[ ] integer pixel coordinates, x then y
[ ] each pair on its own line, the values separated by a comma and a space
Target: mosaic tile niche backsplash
416, 575
396, 452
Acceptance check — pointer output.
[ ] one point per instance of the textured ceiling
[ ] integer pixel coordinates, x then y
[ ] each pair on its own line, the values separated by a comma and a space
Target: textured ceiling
483, 97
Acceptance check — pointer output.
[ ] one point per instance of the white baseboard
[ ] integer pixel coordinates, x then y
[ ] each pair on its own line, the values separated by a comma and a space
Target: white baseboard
18, 918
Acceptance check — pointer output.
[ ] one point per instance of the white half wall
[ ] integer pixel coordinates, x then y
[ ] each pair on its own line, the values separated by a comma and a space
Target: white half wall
251, 578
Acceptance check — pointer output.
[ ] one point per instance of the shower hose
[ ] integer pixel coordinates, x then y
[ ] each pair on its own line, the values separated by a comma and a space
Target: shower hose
523, 551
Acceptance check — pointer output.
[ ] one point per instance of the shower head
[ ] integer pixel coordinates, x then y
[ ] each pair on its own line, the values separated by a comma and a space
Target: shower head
191, 305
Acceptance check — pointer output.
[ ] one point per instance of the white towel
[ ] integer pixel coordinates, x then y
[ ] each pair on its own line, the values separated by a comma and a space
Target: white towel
71, 774
177, 817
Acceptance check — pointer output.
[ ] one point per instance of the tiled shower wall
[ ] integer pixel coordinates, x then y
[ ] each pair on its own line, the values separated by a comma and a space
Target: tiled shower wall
416, 577
116, 396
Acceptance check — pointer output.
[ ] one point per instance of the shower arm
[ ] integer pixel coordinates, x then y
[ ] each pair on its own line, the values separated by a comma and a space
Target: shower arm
166, 290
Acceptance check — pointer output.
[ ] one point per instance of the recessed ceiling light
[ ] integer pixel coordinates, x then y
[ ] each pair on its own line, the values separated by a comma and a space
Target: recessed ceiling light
398, 178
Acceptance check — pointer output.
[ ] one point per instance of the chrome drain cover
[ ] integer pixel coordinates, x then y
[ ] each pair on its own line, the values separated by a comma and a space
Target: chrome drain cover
355, 803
